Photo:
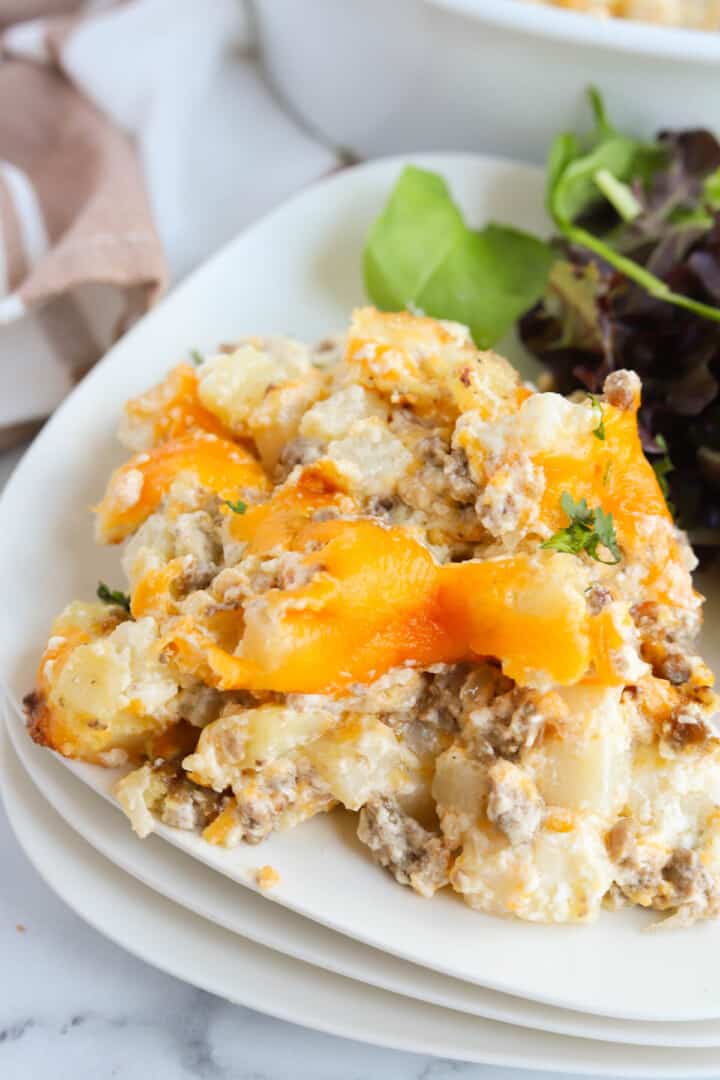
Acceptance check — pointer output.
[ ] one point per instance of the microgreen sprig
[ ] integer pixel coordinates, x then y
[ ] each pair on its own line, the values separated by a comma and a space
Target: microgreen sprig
587, 531
238, 507
113, 596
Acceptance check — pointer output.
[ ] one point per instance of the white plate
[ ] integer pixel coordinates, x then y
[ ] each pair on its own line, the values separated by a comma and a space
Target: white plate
195, 950
181, 879
298, 271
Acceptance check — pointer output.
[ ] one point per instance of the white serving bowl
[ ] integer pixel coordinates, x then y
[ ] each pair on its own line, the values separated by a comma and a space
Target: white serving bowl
502, 76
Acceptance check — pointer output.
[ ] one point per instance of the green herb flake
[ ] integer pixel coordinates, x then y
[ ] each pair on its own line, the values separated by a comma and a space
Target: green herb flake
113, 596
421, 255
587, 531
599, 430
662, 466
238, 507
197, 357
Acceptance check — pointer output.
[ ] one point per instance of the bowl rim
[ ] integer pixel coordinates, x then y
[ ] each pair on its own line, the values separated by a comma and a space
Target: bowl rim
580, 28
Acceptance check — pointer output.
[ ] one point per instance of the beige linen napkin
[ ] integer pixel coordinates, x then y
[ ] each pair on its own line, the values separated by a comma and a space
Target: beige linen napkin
133, 134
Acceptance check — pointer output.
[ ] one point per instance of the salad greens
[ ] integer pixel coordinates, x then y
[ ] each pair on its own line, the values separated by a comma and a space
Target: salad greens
636, 284
630, 280
581, 177
420, 254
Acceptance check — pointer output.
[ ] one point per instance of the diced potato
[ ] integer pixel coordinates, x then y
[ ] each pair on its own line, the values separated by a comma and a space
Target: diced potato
133, 793
232, 385
249, 738
560, 877
460, 788
273, 730
672, 798
122, 672
102, 694
489, 386
360, 758
544, 424
277, 418
150, 548
193, 536
333, 417
586, 766
370, 458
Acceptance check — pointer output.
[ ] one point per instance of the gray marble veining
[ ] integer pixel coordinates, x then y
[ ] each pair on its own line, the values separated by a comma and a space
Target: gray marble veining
75, 1006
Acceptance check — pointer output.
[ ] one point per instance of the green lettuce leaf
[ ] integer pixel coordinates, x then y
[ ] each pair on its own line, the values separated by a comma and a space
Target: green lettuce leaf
420, 254
579, 177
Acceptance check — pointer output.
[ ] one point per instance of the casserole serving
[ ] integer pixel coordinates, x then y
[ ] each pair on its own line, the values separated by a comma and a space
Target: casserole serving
384, 573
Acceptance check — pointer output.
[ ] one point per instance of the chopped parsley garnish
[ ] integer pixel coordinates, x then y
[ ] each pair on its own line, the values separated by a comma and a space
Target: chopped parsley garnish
599, 431
588, 530
197, 357
662, 466
113, 596
238, 507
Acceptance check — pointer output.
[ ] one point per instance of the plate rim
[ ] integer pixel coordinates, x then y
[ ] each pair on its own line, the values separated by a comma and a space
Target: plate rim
20, 825
487, 167
38, 768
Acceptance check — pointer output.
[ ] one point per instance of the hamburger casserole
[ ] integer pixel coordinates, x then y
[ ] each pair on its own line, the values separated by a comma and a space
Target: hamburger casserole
385, 575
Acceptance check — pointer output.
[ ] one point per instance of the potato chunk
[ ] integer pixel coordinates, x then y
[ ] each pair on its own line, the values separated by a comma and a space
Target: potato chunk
232, 385
249, 738
586, 767
360, 758
103, 689
561, 876
276, 420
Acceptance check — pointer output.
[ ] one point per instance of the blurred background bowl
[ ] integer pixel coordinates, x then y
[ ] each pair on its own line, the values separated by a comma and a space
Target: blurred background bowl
501, 76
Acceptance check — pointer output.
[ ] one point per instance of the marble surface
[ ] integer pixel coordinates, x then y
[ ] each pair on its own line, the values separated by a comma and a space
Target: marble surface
73, 1006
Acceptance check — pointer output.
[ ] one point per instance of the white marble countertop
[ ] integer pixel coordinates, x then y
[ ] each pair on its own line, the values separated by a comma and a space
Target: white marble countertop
73, 1006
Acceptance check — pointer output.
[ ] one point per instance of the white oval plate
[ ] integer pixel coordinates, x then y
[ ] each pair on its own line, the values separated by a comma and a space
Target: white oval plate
298, 272
190, 948
180, 879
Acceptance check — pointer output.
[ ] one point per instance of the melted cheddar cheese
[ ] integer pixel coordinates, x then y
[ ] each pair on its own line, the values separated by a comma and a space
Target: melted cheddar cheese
348, 586
137, 488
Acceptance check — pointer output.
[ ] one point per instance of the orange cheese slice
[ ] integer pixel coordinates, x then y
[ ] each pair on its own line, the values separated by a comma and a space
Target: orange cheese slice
379, 600
136, 489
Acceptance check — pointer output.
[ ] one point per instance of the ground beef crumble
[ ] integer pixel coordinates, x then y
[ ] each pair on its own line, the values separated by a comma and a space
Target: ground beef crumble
263, 795
412, 854
645, 875
514, 804
179, 802
621, 389
510, 723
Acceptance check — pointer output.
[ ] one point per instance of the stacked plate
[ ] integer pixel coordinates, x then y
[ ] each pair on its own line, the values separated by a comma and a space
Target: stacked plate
335, 944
